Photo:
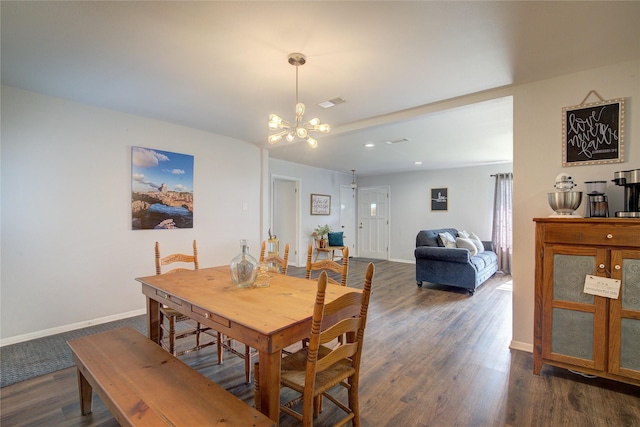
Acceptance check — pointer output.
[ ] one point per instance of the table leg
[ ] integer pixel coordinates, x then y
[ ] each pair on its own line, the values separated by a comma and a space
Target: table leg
270, 384
86, 393
153, 320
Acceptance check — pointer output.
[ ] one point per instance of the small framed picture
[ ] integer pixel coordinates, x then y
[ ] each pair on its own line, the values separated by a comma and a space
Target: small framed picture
593, 133
320, 204
439, 199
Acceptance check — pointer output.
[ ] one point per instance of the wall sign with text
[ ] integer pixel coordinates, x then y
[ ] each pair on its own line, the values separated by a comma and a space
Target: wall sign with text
593, 133
320, 204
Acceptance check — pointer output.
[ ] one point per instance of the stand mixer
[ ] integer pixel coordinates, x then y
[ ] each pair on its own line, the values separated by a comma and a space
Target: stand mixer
631, 181
564, 201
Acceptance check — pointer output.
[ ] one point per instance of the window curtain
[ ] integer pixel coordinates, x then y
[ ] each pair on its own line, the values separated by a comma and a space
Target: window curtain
502, 220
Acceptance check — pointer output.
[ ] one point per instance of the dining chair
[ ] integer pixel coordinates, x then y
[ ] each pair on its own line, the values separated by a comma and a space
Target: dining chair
174, 317
275, 262
332, 268
313, 371
246, 354
326, 264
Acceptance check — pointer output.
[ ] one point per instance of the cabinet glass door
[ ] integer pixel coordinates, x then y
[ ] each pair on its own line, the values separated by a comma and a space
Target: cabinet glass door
624, 332
576, 320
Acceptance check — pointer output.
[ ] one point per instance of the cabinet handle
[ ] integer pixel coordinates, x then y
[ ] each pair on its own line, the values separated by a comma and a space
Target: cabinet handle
206, 315
609, 236
167, 296
602, 269
617, 267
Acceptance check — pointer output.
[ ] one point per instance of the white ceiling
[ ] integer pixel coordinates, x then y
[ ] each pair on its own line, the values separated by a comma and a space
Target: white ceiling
222, 67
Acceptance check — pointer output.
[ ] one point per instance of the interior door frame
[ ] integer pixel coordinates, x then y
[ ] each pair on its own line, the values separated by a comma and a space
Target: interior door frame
294, 255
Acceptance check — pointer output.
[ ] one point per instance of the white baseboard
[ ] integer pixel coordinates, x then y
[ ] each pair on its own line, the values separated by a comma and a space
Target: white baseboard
72, 327
405, 261
523, 346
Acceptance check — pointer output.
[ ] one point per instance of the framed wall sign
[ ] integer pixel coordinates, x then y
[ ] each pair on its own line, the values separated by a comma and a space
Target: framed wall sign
320, 204
593, 133
439, 199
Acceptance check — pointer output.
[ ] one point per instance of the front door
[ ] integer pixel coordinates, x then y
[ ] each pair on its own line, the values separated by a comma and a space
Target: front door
373, 222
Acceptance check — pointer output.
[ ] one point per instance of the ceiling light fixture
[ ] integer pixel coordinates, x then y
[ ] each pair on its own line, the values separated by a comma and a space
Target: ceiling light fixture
300, 130
353, 181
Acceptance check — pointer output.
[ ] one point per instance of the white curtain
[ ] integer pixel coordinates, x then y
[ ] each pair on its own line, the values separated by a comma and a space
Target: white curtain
502, 220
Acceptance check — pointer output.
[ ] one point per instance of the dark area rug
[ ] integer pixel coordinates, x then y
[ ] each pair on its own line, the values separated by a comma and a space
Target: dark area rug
29, 359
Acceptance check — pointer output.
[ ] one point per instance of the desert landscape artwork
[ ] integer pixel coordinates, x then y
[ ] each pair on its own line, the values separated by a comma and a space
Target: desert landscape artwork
161, 189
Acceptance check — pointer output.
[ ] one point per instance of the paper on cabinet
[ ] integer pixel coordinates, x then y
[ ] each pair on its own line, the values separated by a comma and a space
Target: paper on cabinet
602, 286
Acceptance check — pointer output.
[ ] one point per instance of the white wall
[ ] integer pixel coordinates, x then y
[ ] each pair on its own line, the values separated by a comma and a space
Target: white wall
470, 206
66, 209
538, 159
69, 256
312, 181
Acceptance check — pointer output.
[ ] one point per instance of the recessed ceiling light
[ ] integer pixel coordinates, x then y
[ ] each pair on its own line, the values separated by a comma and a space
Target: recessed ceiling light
370, 145
417, 163
331, 103
397, 141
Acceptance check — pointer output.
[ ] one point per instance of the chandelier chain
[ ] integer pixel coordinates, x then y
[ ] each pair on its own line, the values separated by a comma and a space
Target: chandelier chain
297, 66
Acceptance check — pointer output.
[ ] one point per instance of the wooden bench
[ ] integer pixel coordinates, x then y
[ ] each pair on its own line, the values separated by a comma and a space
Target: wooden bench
143, 385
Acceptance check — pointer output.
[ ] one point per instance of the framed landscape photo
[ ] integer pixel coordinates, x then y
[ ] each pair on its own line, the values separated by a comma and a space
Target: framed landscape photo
439, 199
320, 204
161, 189
593, 133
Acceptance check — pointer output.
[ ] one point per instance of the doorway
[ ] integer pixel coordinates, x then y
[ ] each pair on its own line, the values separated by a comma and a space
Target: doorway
373, 222
285, 214
348, 218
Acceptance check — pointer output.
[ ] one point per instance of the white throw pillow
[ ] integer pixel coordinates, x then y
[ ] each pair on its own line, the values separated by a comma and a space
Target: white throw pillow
476, 241
463, 233
462, 242
447, 240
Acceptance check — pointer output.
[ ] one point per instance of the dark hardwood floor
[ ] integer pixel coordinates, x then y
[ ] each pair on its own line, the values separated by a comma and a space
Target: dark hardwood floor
433, 357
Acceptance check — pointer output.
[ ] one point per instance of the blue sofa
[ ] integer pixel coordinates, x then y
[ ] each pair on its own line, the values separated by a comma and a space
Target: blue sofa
452, 266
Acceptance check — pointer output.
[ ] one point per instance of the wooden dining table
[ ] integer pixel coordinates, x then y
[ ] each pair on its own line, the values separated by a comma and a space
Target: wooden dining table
268, 319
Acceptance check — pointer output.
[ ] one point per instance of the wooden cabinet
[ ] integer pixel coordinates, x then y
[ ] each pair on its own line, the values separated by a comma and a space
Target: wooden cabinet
575, 330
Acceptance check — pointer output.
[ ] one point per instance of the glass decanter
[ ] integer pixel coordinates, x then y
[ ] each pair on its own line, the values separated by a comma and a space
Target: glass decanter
263, 279
243, 267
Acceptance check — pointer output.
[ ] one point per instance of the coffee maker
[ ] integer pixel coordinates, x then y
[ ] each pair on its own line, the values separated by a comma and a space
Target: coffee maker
631, 181
598, 205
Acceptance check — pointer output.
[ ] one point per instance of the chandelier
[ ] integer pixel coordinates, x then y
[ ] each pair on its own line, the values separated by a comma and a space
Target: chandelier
301, 130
